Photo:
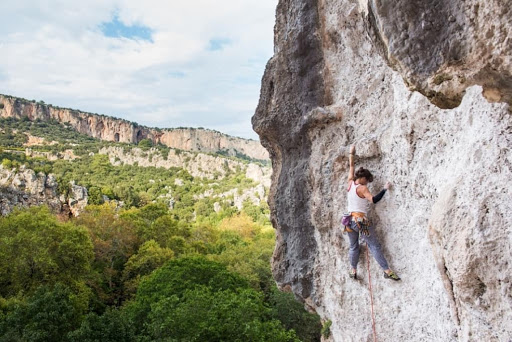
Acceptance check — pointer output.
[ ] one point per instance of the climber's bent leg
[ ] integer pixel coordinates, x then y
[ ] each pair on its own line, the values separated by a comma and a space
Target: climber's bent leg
353, 253
374, 245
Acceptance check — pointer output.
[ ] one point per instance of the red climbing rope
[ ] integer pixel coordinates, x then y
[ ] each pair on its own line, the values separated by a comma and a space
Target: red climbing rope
371, 294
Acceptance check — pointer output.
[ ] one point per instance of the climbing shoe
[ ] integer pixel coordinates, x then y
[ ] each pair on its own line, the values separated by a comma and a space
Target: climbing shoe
391, 275
352, 274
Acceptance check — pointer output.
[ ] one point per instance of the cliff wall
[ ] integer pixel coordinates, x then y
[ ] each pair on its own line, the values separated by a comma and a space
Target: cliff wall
112, 129
24, 188
424, 90
197, 164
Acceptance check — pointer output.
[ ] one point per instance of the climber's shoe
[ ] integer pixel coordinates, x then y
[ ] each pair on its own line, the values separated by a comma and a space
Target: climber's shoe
391, 275
352, 274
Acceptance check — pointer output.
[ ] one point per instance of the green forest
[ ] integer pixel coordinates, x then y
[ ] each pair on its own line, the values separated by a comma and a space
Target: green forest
143, 271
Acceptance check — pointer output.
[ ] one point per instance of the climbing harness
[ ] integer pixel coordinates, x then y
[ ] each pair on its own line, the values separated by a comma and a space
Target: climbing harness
363, 223
371, 293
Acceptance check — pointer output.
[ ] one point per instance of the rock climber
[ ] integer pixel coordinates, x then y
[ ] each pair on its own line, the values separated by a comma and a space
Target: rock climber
359, 199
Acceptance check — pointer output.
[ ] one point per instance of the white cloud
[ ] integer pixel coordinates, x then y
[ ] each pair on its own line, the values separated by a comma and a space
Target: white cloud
54, 50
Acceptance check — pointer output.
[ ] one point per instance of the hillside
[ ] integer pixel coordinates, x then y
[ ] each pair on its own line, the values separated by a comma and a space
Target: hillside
119, 130
123, 242
36, 151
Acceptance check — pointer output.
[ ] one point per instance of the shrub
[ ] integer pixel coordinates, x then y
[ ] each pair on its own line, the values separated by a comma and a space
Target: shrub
145, 144
326, 329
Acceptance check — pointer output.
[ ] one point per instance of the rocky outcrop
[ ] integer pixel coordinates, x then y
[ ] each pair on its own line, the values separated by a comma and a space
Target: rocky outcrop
442, 47
77, 199
236, 197
25, 187
65, 155
197, 164
118, 130
423, 90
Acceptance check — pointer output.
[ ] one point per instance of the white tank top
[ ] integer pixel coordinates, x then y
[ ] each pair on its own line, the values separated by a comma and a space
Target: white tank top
356, 203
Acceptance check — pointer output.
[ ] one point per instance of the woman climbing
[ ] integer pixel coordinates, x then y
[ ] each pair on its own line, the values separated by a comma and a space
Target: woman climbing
359, 198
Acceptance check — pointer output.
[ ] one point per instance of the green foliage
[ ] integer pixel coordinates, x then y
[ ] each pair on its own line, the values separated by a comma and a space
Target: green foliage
326, 329
7, 164
168, 233
10, 138
186, 273
203, 238
292, 315
199, 300
154, 272
95, 195
47, 316
236, 155
202, 314
112, 326
149, 258
115, 241
36, 249
145, 144
258, 213
249, 259
50, 130
128, 183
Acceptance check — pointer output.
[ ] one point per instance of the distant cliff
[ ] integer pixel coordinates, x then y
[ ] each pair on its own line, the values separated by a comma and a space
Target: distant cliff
119, 130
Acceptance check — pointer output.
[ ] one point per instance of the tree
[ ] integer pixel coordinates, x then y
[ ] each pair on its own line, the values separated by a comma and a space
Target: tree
292, 315
174, 278
94, 195
242, 224
36, 249
145, 144
169, 233
112, 326
47, 316
194, 299
149, 257
203, 238
115, 241
7, 164
128, 195
251, 259
215, 316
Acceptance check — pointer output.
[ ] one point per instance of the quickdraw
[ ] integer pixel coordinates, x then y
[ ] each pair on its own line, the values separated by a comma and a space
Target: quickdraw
363, 223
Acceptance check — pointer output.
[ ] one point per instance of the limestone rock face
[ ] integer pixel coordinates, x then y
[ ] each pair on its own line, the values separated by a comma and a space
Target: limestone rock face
24, 188
113, 129
442, 47
78, 199
423, 90
209, 141
197, 164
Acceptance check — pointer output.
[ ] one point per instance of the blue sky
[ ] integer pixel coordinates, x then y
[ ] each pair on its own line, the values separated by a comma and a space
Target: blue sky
159, 63
115, 28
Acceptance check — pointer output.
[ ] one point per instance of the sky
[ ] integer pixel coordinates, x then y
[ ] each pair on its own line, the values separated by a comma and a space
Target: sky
159, 63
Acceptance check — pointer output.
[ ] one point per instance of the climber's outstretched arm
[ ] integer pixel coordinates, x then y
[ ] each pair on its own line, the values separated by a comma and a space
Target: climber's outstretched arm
351, 162
365, 192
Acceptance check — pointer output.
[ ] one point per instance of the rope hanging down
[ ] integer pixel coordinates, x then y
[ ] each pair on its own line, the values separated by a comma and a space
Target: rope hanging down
371, 294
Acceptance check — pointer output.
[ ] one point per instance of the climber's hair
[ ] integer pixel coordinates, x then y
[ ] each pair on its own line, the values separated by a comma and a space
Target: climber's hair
362, 172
